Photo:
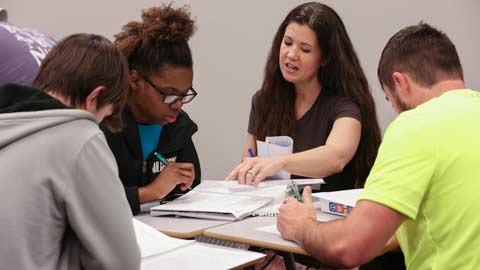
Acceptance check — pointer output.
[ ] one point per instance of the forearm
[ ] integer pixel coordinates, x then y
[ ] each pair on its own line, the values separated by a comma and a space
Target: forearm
318, 162
327, 242
354, 240
148, 194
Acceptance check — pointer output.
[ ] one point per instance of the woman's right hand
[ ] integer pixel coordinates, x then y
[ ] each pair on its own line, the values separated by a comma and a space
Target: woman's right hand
254, 170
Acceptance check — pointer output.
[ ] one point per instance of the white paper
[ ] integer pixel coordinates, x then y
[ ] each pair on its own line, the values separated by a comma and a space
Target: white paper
234, 186
210, 202
152, 242
275, 189
269, 229
320, 217
201, 256
274, 146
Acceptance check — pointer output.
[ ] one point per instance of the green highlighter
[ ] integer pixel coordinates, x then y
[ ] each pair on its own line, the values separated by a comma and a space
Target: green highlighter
163, 160
298, 196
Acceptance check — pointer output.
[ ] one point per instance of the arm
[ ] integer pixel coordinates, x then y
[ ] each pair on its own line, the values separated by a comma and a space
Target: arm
189, 155
98, 212
346, 243
174, 173
339, 149
325, 160
176, 177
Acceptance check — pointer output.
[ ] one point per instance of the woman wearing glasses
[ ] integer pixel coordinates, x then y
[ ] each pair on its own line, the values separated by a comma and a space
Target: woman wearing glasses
156, 128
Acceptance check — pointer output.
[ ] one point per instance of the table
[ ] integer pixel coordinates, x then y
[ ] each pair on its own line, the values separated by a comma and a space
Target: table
245, 232
180, 227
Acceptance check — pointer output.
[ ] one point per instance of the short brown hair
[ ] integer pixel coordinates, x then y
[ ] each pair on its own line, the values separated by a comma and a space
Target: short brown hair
82, 62
421, 51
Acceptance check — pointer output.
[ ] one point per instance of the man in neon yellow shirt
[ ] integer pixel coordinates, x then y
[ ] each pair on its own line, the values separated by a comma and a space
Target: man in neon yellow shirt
425, 180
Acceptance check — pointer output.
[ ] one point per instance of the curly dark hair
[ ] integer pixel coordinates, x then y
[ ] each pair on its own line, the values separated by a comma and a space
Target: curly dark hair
159, 40
341, 75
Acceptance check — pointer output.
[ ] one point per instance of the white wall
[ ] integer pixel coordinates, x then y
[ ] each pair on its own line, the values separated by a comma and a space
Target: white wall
232, 42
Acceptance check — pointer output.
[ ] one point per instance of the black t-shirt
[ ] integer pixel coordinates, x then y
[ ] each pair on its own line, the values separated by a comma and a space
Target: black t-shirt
313, 128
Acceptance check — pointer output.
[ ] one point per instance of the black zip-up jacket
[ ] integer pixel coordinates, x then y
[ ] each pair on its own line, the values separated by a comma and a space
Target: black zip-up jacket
175, 144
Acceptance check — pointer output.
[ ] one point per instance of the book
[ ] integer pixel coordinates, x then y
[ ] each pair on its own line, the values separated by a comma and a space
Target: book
337, 202
159, 250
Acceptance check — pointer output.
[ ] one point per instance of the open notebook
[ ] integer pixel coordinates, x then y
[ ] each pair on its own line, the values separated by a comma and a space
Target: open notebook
159, 250
226, 200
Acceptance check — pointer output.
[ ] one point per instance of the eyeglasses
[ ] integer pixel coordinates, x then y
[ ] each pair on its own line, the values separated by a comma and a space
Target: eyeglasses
169, 98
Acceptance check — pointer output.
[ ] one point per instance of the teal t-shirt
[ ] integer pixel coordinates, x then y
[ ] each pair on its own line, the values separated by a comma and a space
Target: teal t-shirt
149, 136
428, 168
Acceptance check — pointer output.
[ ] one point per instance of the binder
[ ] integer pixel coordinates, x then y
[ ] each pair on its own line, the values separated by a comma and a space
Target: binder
337, 202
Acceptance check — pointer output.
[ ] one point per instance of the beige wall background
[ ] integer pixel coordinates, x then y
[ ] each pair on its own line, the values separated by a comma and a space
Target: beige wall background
232, 42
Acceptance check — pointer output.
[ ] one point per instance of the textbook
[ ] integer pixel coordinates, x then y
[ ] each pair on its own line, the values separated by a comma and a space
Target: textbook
227, 200
158, 250
337, 202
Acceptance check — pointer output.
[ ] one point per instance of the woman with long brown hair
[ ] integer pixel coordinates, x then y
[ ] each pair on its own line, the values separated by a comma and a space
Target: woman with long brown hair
315, 91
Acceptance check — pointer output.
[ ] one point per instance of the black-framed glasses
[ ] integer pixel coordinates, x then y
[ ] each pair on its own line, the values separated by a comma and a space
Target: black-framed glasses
170, 98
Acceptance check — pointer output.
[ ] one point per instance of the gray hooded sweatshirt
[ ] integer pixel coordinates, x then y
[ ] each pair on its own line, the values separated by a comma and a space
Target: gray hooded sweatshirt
62, 205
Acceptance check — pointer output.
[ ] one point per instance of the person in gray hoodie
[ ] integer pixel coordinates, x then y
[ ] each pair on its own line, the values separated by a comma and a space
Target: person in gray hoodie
63, 205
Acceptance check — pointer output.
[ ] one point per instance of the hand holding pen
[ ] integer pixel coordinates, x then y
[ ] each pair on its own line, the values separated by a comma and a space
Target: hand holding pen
293, 215
183, 174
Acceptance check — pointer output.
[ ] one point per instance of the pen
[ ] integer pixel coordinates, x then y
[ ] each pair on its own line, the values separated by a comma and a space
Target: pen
295, 190
250, 152
161, 158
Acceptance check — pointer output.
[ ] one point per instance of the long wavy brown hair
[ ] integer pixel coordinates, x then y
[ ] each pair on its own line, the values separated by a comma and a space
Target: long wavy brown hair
341, 75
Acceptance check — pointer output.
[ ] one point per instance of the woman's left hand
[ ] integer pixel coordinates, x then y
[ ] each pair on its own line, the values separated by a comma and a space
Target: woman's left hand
254, 170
